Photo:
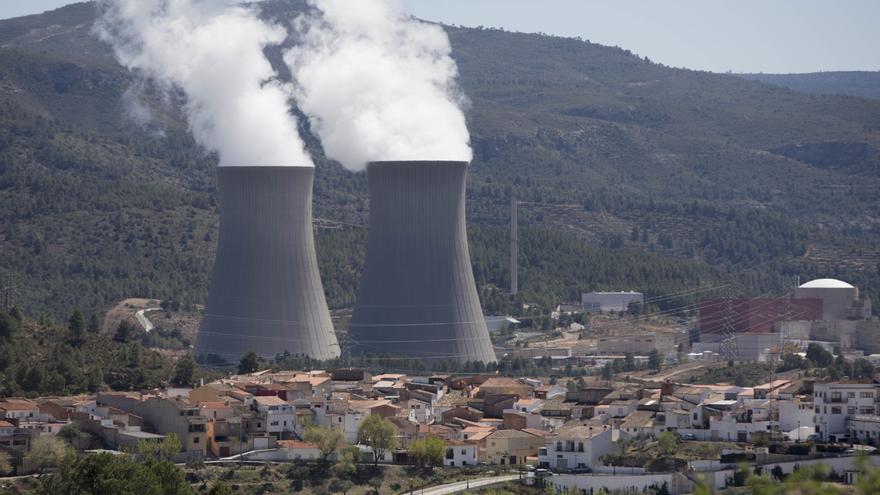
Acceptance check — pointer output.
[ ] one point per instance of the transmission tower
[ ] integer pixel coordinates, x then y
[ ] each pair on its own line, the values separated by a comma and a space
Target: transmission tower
728, 333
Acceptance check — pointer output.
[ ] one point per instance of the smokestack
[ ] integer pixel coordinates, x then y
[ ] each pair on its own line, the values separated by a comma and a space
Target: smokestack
417, 297
514, 246
266, 294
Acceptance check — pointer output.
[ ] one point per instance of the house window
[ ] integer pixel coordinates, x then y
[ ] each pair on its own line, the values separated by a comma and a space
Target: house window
196, 440
835, 396
850, 395
835, 410
851, 410
867, 395
867, 410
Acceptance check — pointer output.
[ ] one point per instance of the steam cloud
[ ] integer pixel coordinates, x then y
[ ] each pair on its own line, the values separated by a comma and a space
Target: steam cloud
213, 51
377, 85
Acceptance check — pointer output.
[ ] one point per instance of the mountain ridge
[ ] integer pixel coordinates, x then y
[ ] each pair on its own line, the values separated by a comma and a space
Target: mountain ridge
97, 207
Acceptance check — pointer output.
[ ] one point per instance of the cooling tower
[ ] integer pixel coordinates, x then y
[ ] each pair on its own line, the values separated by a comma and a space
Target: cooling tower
417, 297
266, 294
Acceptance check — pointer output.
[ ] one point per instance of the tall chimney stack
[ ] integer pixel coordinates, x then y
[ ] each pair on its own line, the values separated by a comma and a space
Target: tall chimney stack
417, 297
514, 246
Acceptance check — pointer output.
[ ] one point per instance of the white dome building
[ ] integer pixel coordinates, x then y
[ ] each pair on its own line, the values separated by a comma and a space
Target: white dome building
839, 299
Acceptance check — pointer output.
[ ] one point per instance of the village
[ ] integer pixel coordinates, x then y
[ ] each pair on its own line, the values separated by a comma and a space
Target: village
586, 434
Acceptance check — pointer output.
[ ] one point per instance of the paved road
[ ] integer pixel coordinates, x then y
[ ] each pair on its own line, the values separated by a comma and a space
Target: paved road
143, 320
461, 486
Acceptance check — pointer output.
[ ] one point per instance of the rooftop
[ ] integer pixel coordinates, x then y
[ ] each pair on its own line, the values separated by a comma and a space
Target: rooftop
17, 405
512, 434
270, 400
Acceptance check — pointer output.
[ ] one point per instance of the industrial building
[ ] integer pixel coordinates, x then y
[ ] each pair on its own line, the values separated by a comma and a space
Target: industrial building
825, 311
716, 316
666, 343
610, 301
266, 294
840, 300
417, 297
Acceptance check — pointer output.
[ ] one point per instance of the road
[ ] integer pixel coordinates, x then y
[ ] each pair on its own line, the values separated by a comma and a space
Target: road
143, 320
460, 486
678, 370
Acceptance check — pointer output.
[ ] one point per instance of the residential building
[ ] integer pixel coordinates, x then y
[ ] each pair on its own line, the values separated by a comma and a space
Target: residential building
511, 447
576, 446
22, 409
835, 402
460, 453
278, 414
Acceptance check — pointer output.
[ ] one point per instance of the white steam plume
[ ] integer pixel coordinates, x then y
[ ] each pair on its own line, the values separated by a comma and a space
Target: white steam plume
377, 84
213, 51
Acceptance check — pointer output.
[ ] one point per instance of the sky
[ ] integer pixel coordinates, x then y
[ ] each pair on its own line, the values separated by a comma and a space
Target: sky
773, 36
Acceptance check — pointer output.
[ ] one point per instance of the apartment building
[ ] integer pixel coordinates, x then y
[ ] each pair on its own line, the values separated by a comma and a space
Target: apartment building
836, 402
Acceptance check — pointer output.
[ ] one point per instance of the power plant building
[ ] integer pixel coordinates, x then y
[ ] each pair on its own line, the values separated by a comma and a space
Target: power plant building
417, 296
717, 316
825, 311
610, 301
840, 300
266, 294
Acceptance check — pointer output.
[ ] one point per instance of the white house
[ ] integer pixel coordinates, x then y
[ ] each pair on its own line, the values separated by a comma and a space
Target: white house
280, 416
740, 420
420, 411
675, 419
460, 453
576, 446
795, 413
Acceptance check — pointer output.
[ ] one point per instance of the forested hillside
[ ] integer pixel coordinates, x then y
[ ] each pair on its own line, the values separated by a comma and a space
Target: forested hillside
864, 84
632, 175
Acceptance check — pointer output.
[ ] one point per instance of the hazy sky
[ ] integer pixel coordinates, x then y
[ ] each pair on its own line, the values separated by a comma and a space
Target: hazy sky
716, 35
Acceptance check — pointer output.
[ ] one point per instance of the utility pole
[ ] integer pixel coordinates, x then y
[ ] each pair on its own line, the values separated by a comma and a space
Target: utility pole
514, 246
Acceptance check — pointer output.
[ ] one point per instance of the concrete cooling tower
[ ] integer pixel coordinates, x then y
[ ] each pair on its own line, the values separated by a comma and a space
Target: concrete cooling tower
417, 297
266, 294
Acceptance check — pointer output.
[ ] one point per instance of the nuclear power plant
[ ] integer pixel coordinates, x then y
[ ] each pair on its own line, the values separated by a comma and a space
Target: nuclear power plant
266, 294
417, 297
827, 312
